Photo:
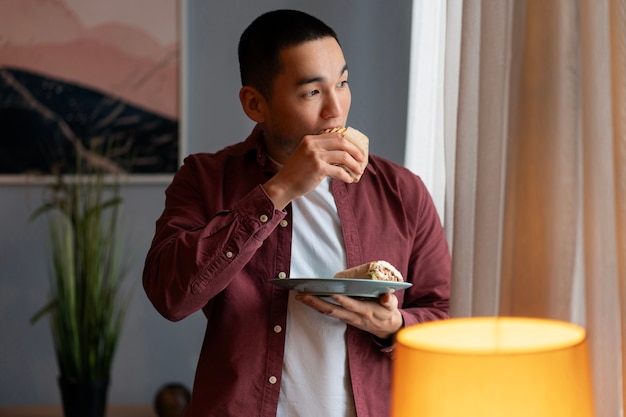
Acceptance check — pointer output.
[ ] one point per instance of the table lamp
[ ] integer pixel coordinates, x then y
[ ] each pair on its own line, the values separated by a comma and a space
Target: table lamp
492, 367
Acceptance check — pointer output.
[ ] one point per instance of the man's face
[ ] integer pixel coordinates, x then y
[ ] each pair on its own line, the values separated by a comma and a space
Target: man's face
310, 93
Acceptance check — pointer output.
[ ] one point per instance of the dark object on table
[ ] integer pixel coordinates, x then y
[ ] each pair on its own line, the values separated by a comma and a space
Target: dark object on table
172, 400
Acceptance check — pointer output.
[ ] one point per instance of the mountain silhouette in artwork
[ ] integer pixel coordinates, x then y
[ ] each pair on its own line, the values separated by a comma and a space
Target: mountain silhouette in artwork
47, 124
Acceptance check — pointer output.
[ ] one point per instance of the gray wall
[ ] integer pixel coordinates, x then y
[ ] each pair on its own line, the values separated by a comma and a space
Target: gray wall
375, 36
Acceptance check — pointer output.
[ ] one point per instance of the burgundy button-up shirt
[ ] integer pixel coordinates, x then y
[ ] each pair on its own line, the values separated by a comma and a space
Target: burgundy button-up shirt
220, 241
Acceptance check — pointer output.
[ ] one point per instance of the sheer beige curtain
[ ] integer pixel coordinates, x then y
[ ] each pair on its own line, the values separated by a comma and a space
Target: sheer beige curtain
536, 199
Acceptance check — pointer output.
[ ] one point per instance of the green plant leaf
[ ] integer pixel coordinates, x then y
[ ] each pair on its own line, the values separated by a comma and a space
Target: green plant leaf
43, 311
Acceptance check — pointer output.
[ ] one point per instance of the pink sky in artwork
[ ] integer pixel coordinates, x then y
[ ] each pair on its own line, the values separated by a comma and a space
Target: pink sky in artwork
155, 17
128, 49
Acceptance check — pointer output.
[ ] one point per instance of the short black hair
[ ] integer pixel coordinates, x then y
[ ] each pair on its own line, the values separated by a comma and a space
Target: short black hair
261, 43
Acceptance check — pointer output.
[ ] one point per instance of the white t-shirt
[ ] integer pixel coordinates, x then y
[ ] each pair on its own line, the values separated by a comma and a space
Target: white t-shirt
316, 379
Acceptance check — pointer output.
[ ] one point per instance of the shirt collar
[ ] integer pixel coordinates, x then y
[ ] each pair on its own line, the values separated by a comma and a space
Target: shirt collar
255, 145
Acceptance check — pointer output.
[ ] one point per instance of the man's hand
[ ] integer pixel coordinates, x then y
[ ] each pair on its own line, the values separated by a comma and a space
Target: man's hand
315, 158
379, 317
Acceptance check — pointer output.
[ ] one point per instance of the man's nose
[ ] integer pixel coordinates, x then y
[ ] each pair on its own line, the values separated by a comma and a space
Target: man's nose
332, 106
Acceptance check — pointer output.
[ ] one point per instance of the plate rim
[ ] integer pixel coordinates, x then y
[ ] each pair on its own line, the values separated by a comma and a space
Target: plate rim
400, 285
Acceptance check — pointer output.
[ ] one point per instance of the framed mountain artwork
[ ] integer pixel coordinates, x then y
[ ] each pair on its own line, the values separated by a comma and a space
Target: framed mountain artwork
89, 82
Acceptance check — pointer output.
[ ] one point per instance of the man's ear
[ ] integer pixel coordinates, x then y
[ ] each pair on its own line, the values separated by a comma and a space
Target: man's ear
253, 103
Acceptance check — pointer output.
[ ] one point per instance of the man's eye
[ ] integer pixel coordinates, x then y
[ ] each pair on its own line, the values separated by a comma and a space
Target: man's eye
343, 84
312, 93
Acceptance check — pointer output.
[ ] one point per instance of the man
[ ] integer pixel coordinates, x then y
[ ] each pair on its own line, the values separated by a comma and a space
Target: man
279, 205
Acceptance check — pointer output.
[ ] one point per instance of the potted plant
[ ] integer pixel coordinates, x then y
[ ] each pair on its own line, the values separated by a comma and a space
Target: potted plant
86, 307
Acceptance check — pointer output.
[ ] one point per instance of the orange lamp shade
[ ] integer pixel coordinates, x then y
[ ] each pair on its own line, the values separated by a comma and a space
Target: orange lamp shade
492, 367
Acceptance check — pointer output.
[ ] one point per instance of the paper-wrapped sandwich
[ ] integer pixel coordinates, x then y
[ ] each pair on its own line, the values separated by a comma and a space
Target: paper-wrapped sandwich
377, 270
358, 139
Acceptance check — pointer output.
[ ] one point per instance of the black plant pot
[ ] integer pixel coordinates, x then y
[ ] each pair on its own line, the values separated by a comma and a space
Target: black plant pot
83, 398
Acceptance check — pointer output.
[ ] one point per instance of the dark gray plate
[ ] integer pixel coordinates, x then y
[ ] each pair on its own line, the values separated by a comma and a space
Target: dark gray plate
346, 286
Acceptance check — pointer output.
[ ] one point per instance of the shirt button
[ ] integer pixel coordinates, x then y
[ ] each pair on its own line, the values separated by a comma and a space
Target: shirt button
282, 275
284, 223
229, 254
277, 329
263, 218
272, 379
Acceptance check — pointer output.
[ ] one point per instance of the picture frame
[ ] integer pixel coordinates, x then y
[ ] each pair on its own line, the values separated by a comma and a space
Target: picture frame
95, 83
